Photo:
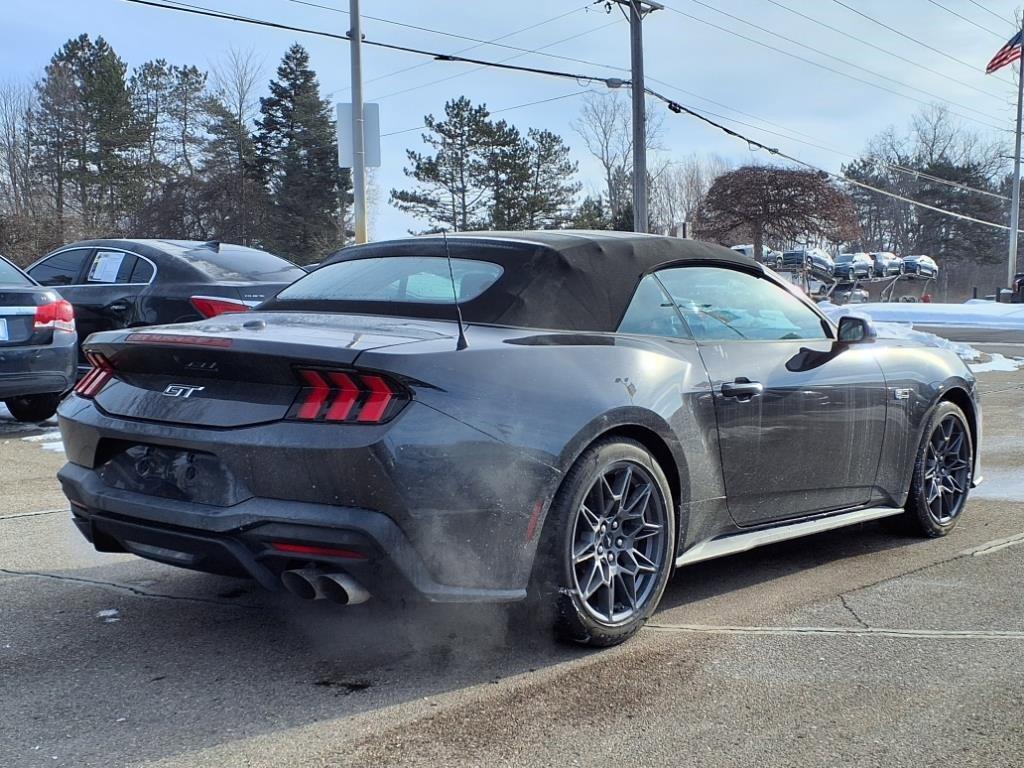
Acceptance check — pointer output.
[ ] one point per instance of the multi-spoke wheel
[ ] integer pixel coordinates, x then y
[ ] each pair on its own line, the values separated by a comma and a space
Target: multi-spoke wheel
942, 473
608, 544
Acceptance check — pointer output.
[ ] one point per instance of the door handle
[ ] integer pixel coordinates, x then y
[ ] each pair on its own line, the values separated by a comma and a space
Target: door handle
118, 306
742, 389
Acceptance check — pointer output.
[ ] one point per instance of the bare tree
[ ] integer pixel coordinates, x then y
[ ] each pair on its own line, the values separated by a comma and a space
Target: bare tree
680, 186
754, 202
605, 125
16, 102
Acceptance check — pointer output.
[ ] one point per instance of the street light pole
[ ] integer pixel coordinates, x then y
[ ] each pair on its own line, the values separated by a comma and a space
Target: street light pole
1015, 194
358, 143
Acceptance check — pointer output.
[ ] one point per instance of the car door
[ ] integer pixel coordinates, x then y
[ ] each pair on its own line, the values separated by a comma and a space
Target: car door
105, 300
800, 417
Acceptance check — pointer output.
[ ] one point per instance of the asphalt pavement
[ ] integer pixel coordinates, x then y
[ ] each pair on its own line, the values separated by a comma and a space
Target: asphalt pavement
852, 648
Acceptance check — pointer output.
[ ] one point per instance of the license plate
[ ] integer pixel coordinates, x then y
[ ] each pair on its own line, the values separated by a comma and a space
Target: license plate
3, 329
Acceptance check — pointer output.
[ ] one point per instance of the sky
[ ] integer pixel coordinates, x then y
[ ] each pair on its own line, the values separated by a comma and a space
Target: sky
703, 53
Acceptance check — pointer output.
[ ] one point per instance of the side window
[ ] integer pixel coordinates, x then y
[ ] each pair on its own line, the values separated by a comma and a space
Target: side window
651, 313
722, 304
142, 273
111, 267
62, 268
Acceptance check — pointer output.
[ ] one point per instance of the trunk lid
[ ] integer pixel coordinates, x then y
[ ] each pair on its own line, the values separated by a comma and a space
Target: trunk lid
237, 370
18, 316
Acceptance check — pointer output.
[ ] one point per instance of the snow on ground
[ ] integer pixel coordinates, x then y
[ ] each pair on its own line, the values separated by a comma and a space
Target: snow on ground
999, 363
974, 314
903, 331
50, 440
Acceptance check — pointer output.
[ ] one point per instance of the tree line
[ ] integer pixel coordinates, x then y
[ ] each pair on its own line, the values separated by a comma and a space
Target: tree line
94, 150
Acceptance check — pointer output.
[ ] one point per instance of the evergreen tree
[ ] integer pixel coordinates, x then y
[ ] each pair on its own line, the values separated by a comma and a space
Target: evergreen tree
591, 214
298, 158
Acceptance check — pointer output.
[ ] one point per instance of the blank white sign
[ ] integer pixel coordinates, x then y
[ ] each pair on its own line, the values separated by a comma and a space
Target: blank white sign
371, 135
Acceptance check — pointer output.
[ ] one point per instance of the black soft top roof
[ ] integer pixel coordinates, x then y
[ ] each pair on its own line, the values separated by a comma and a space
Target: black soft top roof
558, 279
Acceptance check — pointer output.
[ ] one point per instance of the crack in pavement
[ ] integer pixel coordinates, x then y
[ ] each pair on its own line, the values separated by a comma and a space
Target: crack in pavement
938, 634
849, 608
121, 588
32, 514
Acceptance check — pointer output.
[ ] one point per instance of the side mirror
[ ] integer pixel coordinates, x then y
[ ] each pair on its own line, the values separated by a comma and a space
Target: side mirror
856, 330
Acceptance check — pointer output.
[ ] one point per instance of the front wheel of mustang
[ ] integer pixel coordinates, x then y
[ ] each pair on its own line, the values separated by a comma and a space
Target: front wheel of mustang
609, 544
942, 473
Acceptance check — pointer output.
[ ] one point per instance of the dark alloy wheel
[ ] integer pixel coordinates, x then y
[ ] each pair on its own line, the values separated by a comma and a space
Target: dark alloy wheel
942, 473
609, 540
33, 407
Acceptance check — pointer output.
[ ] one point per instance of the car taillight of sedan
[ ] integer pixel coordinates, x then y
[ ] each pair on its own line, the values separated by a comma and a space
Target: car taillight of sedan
211, 306
58, 315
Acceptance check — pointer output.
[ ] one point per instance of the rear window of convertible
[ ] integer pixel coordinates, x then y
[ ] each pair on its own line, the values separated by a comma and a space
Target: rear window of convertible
404, 279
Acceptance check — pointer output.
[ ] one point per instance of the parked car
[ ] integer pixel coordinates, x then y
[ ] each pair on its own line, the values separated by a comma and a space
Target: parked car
769, 256
818, 263
920, 266
37, 345
361, 434
850, 266
886, 264
126, 283
850, 295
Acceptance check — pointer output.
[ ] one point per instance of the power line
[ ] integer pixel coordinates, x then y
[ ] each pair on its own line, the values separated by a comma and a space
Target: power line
839, 59
969, 21
678, 108
672, 105
473, 47
499, 61
939, 51
874, 46
990, 12
904, 170
503, 109
825, 66
611, 82
476, 40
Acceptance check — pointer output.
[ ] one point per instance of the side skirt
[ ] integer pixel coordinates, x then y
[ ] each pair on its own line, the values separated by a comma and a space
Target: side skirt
741, 542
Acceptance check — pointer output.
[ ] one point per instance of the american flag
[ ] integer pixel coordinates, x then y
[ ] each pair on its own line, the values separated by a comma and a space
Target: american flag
1005, 55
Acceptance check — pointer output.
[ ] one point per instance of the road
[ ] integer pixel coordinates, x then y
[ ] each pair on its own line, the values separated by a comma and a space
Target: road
852, 648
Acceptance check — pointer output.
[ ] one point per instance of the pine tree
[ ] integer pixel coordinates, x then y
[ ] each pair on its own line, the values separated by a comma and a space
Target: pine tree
298, 158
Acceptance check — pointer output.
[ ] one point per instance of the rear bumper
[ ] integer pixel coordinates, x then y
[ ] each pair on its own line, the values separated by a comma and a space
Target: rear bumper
48, 369
238, 542
441, 509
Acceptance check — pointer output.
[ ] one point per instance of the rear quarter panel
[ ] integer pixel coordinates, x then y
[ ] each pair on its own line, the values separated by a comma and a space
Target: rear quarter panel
550, 395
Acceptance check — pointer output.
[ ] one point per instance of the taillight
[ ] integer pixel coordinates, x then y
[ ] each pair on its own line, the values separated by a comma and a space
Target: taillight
98, 376
347, 396
59, 315
211, 306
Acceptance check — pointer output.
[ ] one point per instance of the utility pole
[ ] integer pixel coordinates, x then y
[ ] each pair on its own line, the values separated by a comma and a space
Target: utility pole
355, 35
1015, 195
637, 10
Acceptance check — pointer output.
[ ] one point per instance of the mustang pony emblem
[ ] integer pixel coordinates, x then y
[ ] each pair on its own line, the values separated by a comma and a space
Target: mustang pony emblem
181, 390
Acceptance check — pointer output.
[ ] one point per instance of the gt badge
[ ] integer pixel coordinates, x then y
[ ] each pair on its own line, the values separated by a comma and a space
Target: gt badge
181, 390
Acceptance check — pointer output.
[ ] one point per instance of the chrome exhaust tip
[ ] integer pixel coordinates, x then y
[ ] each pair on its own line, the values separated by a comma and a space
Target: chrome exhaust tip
342, 589
305, 583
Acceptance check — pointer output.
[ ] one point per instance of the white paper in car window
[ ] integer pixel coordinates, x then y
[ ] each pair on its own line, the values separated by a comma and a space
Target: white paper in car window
105, 267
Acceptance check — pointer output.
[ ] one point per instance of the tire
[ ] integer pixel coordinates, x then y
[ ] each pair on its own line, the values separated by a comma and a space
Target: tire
943, 470
33, 407
573, 558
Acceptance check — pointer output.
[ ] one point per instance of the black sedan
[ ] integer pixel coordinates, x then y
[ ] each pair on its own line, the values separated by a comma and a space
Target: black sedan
37, 346
596, 409
126, 283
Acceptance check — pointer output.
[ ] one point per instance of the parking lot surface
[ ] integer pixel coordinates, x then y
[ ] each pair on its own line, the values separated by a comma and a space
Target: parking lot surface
852, 648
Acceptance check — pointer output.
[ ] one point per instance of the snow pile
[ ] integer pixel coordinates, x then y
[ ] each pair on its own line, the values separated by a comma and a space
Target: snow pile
50, 440
972, 314
902, 331
999, 363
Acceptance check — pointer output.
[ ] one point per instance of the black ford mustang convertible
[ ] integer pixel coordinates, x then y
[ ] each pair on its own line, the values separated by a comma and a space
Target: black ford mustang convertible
617, 406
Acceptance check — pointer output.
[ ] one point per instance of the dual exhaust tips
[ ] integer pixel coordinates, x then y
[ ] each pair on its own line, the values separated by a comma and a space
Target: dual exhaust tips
312, 584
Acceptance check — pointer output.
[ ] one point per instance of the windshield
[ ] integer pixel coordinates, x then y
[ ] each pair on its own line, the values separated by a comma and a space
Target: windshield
843, 257
240, 264
11, 275
402, 279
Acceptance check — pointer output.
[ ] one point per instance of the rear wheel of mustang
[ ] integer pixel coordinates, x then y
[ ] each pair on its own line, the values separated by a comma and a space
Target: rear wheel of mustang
33, 407
942, 473
608, 546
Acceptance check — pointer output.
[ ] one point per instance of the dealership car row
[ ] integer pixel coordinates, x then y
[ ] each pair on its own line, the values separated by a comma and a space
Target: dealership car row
847, 266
